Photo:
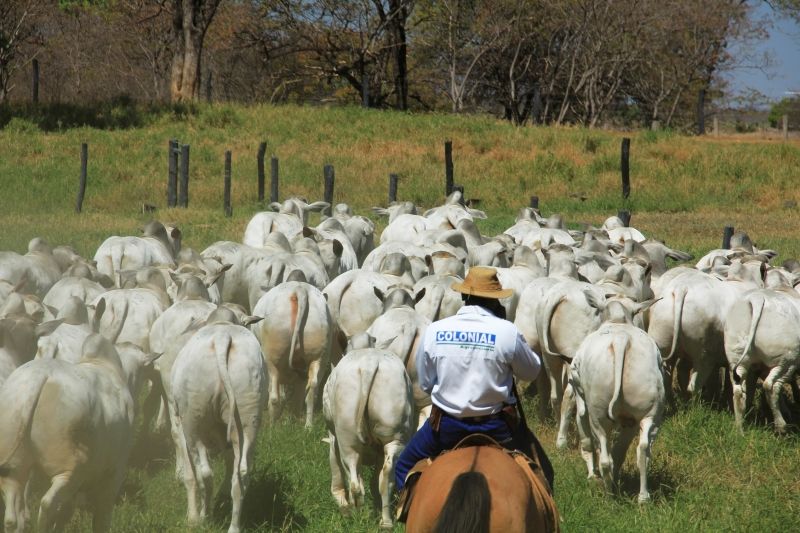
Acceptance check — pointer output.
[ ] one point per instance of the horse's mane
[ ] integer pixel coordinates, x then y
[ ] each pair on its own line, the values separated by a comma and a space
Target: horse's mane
467, 507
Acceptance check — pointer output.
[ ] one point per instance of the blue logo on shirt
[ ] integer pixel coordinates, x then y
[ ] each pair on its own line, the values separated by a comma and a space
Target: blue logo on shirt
475, 338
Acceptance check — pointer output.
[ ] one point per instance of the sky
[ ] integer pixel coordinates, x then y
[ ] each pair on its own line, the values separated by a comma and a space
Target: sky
783, 76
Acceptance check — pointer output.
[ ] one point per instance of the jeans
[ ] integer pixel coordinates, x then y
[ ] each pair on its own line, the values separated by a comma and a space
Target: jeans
428, 443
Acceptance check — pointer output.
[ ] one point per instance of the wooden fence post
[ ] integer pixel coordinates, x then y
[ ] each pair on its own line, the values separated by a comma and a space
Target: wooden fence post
625, 217
35, 88
727, 233
625, 167
329, 176
172, 176
448, 168
393, 187
183, 192
227, 190
273, 179
262, 150
716, 127
655, 125
82, 185
535, 202
208, 87
785, 120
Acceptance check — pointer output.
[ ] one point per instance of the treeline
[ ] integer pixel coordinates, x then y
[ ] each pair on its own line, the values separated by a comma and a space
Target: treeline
542, 61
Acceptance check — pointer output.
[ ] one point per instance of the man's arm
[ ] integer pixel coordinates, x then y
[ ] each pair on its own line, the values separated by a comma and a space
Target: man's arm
426, 368
525, 364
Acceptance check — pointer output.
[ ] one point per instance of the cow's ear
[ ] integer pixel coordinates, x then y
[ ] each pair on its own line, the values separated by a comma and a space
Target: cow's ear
317, 206
644, 305
378, 293
308, 233
419, 296
99, 309
337, 248
48, 327
251, 319
429, 263
476, 213
175, 233
380, 211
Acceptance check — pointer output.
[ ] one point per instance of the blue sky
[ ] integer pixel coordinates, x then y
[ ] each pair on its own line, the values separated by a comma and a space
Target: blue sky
783, 46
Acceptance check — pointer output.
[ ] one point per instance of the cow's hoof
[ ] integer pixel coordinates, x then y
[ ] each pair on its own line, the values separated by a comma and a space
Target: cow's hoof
644, 498
387, 525
561, 443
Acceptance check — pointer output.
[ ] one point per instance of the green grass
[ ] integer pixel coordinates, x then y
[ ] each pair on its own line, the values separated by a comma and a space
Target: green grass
704, 475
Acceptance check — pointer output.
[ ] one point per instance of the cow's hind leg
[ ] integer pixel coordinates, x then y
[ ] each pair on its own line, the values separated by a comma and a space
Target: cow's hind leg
206, 477
311, 391
601, 431
741, 389
621, 445
649, 430
337, 477
62, 489
391, 452
13, 489
567, 412
274, 392
585, 434
773, 386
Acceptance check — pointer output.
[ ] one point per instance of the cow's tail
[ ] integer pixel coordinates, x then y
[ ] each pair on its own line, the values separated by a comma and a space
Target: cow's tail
757, 307
222, 346
24, 407
276, 273
117, 254
547, 315
438, 297
677, 317
367, 379
119, 323
619, 346
299, 304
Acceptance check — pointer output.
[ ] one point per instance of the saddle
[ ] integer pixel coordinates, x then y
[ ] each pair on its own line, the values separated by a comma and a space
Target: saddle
540, 489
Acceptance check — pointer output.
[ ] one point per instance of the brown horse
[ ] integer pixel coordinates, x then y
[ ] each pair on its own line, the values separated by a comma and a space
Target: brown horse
479, 489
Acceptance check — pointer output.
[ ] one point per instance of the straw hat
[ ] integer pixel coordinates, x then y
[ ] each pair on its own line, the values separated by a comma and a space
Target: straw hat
483, 282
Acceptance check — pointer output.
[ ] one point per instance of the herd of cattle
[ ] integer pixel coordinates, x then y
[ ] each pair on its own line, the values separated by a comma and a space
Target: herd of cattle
221, 333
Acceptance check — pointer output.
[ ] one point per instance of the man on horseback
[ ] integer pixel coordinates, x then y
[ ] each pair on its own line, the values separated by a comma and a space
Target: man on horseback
466, 363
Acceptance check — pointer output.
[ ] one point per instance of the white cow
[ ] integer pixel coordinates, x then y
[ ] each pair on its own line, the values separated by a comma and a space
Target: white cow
218, 392
85, 289
66, 341
74, 422
440, 300
761, 331
400, 329
297, 337
159, 245
368, 409
19, 334
38, 268
619, 384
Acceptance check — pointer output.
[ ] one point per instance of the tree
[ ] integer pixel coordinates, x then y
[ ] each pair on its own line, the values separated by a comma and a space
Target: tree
18, 28
190, 22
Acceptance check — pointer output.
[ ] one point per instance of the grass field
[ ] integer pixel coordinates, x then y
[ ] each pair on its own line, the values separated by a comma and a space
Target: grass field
704, 475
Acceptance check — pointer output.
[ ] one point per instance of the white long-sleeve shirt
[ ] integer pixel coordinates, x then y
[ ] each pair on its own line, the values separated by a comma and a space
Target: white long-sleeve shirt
466, 361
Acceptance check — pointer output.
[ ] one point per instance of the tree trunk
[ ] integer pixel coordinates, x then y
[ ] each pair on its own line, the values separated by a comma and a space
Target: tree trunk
701, 115
190, 20
399, 14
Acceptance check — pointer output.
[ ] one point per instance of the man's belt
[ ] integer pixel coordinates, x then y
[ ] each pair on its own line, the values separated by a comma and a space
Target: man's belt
506, 413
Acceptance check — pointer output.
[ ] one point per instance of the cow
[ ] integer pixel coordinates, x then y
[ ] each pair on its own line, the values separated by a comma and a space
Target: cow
19, 334
619, 384
158, 245
66, 341
439, 300
395, 210
289, 220
218, 388
400, 330
74, 422
297, 336
38, 268
84, 288
761, 333
368, 408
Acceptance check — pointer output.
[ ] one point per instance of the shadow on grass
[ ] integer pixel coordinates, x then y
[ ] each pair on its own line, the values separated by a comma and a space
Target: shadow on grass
265, 504
661, 482
121, 112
